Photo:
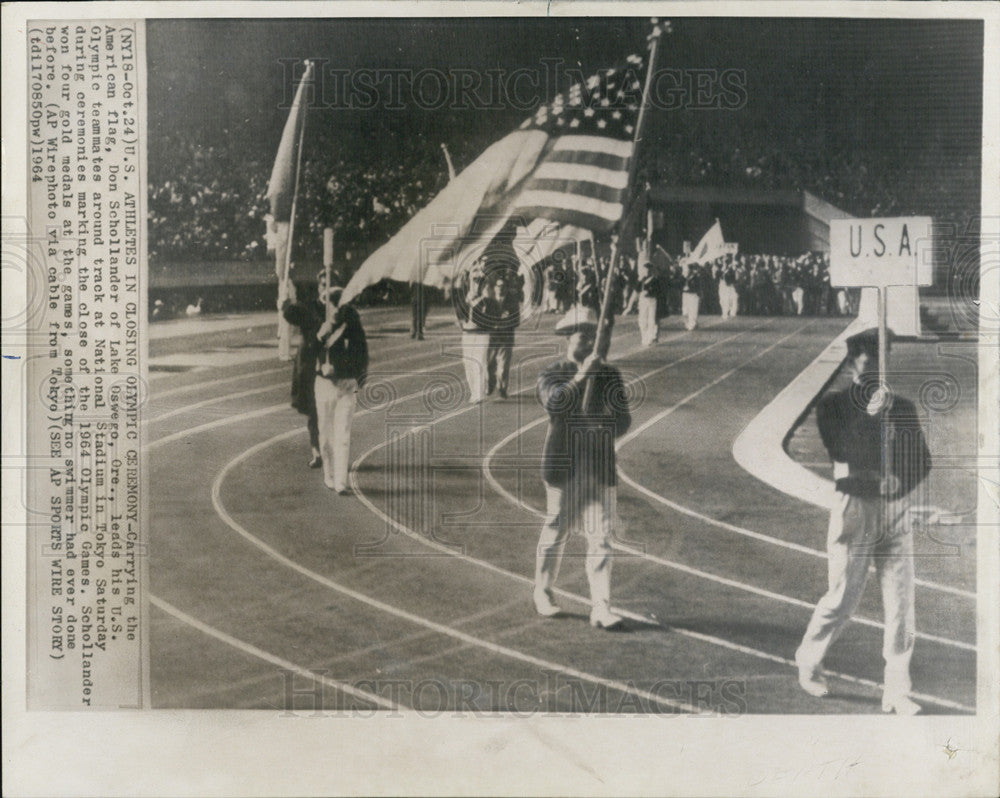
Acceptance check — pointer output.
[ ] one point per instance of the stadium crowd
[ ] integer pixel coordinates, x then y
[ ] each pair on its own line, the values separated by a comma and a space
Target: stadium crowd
207, 202
764, 285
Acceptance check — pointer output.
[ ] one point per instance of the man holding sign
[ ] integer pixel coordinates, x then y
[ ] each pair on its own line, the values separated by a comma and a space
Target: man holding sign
879, 457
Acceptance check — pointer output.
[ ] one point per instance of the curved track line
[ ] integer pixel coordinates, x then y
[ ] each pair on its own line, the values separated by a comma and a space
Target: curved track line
272, 409
404, 614
764, 538
710, 639
221, 381
640, 618
670, 563
526, 580
195, 386
276, 408
214, 400
272, 659
253, 391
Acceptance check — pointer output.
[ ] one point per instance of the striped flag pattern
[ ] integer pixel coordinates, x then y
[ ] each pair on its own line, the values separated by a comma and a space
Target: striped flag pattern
583, 178
568, 163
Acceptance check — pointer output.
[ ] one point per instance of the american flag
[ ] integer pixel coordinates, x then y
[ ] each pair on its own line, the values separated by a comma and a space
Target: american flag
582, 179
568, 163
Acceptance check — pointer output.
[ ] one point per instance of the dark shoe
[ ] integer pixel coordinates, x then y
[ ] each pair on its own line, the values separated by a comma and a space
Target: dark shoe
503, 393
316, 462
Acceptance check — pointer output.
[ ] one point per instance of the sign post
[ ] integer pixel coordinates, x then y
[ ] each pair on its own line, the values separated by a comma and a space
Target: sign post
879, 253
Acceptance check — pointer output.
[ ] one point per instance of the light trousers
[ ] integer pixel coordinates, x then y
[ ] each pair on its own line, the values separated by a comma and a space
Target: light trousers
689, 309
335, 402
728, 300
568, 510
649, 327
857, 536
475, 346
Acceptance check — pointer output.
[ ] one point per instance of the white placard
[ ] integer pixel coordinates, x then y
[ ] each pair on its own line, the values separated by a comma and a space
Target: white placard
880, 252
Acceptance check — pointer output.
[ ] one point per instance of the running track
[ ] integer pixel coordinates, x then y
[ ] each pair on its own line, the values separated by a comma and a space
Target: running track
269, 591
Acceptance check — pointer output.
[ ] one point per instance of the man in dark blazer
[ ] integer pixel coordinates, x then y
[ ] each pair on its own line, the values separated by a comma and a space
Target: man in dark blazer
341, 370
308, 316
879, 457
578, 464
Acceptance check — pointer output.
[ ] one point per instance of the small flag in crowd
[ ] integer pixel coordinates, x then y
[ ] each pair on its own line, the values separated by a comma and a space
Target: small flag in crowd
567, 163
711, 246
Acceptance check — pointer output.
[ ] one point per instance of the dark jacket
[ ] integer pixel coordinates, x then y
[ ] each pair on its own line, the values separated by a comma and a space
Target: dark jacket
344, 352
581, 446
509, 314
852, 436
308, 317
480, 315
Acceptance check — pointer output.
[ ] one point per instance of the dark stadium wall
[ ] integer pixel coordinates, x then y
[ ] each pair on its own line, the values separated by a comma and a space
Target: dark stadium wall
761, 222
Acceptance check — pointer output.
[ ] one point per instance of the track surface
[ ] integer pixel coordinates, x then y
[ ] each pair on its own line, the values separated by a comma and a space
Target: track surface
271, 592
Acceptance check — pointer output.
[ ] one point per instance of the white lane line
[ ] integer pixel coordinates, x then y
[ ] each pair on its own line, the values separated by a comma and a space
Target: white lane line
469, 639
580, 599
637, 431
416, 346
264, 411
214, 400
525, 580
222, 381
405, 615
283, 406
926, 583
818, 553
670, 563
374, 368
272, 659
423, 634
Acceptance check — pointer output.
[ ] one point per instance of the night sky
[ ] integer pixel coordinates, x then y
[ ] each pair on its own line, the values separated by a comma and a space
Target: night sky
898, 86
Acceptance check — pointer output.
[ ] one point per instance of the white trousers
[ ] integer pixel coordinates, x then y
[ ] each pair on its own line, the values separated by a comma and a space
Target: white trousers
798, 297
649, 327
474, 351
857, 536
689, 309
568, 510
335, 402
728, 300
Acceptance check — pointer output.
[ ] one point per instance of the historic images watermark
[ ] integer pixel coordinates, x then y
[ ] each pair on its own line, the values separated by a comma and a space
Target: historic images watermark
553, 694
523, 89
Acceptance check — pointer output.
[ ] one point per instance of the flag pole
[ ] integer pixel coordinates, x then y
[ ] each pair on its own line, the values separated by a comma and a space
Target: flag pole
447, 158
284, 329
328, 234
654, 42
